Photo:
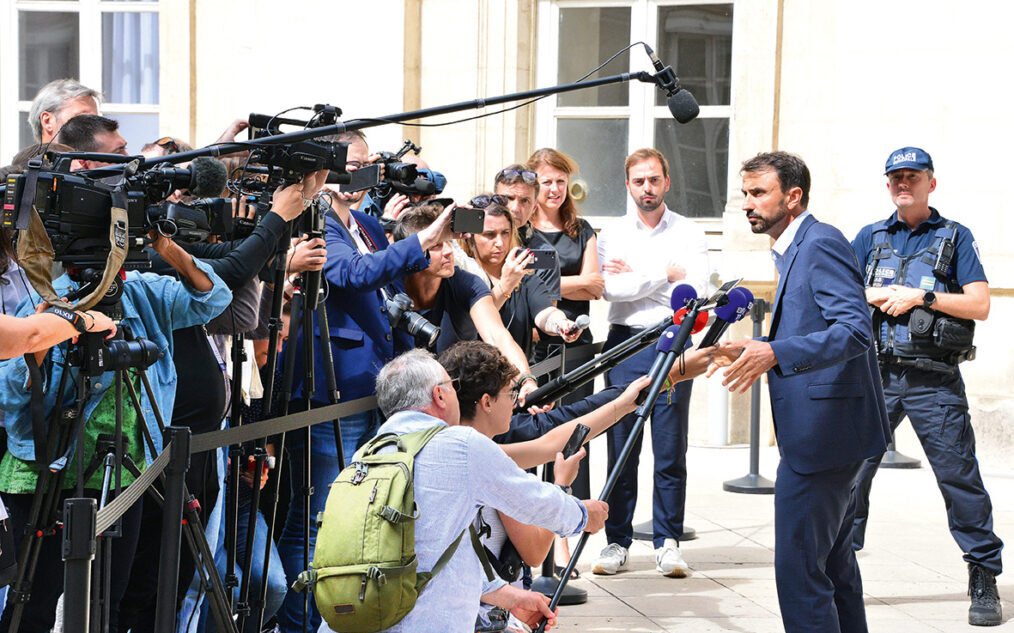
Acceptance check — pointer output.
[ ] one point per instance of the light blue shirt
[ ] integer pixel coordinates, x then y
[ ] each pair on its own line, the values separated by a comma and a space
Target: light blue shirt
458, 471
153, 306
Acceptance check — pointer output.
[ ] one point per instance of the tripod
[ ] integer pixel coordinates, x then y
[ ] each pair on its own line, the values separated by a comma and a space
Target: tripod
91, 357
305, 305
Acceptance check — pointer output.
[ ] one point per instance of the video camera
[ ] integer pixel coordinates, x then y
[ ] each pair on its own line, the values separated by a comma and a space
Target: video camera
288, 162
75, 208
403, 178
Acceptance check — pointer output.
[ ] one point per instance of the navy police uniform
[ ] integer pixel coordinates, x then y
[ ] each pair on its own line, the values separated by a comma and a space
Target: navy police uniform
921, 377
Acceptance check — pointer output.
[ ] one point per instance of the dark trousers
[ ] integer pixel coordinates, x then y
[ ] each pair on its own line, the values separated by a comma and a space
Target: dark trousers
581, 486
936, 405
669, 424
819, 587
40, 611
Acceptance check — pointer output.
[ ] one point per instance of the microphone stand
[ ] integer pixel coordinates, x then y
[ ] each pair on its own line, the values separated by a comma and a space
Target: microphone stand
658, 378
564, 384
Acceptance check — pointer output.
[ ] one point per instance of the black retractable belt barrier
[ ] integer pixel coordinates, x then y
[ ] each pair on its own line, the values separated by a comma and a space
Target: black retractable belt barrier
753, 483
178, 438
78, 552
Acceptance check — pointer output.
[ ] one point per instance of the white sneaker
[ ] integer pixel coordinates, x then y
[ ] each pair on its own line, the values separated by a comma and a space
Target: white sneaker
669, 561
611, 560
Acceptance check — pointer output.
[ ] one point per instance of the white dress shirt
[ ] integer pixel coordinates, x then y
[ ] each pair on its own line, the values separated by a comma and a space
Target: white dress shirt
785, 239
640, 298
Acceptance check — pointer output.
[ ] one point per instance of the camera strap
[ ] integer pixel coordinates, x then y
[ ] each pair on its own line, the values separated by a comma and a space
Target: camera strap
36, 255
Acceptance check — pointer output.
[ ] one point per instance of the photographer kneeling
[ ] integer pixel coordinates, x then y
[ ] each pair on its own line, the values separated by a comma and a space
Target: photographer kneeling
457, 472
153, 306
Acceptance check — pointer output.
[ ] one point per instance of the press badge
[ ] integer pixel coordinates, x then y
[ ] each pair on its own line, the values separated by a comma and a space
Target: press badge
927, 282
882, 276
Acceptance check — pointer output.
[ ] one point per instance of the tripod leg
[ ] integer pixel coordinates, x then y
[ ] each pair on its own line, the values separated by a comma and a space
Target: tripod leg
257, 608
195, 537
327, 360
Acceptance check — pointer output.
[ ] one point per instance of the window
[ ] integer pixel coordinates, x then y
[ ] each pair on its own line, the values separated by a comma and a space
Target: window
600, 126
109, 45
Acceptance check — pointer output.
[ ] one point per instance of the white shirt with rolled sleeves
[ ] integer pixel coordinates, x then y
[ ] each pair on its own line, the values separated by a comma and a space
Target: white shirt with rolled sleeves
640, 298
458, 471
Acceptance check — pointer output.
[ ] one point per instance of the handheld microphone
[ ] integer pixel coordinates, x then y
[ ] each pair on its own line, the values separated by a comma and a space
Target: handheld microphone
699, 323
681, 103
581, 322
681, 296
739, 305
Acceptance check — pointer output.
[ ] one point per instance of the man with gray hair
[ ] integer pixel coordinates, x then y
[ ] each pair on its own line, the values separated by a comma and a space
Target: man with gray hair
456, 473
58, 102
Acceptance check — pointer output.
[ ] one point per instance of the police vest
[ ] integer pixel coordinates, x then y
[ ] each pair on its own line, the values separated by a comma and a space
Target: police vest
931, 269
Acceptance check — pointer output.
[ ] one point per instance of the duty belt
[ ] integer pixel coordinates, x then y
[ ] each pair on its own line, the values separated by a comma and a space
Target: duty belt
924, 364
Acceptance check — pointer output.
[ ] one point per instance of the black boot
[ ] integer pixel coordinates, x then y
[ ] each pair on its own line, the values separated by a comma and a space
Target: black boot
985, 609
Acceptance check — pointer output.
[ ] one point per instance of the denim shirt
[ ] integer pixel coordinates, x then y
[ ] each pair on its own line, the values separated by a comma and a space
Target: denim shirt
153, 306
458, 471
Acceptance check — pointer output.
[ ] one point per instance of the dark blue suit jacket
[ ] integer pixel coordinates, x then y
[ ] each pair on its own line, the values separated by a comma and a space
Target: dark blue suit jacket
826, 395
362, 340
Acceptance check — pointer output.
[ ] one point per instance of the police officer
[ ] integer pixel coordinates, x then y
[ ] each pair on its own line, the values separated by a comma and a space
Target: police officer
926, 284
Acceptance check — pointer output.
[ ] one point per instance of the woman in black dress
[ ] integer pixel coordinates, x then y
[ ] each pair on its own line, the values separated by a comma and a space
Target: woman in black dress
557, 219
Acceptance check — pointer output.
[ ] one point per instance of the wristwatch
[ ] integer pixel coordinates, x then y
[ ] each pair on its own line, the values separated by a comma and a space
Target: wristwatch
929, 299
71, 316
566, 489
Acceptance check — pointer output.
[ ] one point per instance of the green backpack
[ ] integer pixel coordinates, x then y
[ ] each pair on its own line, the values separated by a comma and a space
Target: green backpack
363, 572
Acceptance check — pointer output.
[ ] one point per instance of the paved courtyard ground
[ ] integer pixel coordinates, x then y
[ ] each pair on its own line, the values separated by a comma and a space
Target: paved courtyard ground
913, 574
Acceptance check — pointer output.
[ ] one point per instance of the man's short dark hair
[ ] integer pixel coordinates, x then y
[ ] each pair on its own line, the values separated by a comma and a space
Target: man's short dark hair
476, 368
790, 169
81, 131
413, 220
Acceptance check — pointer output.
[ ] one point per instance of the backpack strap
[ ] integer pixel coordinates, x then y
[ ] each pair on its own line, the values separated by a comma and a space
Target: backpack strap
423, 578
412, 443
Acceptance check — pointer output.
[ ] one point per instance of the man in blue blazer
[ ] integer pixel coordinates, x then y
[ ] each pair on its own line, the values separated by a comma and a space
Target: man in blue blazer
826, 398
361, 267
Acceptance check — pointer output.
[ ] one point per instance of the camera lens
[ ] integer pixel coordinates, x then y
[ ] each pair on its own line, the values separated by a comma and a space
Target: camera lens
139, 354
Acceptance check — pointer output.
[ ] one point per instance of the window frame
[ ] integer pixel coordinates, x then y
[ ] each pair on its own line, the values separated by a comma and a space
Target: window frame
89, 58
640, 111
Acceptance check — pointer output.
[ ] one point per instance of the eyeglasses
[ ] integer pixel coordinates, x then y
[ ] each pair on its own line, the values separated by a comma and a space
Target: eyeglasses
454, 383
483, 201
515, 393
510, 175
169, 144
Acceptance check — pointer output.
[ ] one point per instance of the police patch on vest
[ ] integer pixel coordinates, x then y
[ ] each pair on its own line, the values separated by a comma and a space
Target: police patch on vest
883, 273
926, 282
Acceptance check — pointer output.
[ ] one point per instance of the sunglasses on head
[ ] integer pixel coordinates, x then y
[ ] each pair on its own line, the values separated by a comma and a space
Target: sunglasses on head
169, 144
483, 201
510, 175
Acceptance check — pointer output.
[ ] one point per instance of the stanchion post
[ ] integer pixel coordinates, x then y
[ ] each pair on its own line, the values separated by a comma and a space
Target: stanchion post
78, 553
178, 439
752, 483
547, 584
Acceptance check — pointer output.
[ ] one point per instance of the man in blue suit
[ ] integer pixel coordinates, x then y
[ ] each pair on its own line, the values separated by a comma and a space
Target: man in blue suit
361, 267
826, 399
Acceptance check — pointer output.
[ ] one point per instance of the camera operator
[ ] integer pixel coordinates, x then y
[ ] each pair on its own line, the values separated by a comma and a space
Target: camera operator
203, 387
457, 471
92, 133
40, 331
153, 306
523, 300
459, 301
362, 272
56, 103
